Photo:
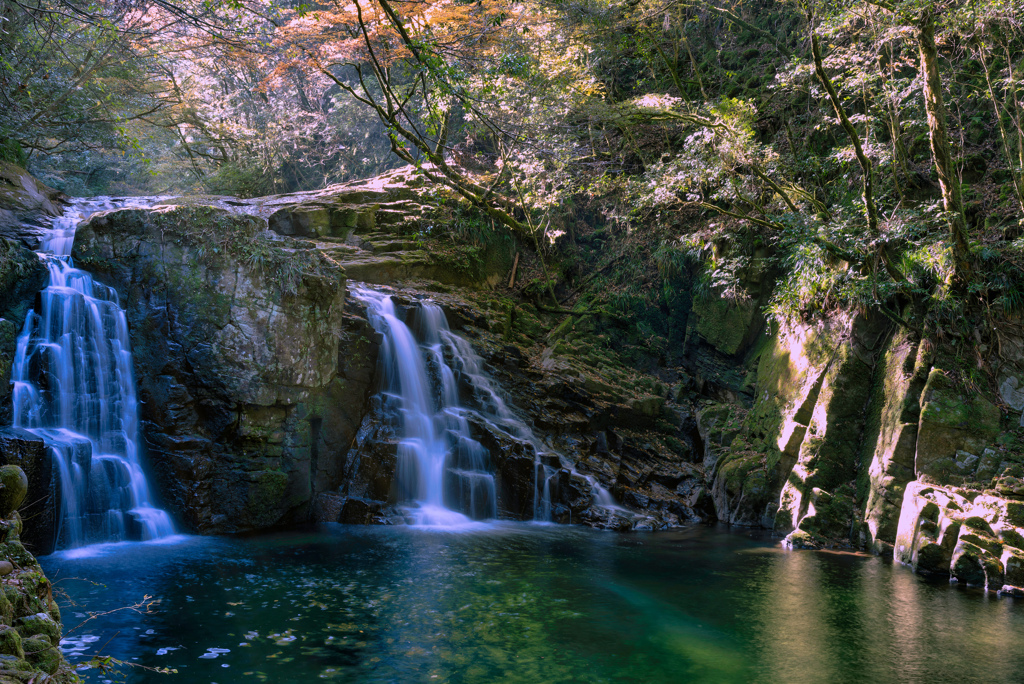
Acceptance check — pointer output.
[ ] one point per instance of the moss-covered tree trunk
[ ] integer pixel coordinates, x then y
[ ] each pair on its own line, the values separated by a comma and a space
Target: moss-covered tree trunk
952, 199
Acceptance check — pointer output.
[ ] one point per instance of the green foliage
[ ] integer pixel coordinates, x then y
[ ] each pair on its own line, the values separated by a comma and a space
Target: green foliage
11, 152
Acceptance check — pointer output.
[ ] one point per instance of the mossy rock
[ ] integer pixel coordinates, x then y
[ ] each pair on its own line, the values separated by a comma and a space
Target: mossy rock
986, 542
13, 489
1012, 537
649, 406
724, 324
798, 539
265, 493
1015, 513
950, 422
42, 654
39, 624
11, 642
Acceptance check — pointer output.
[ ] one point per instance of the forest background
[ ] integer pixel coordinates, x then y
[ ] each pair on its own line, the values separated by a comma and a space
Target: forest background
859, 155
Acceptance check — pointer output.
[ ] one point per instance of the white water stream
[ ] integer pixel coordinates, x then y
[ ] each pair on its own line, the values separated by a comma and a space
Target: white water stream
74, 386
445, 477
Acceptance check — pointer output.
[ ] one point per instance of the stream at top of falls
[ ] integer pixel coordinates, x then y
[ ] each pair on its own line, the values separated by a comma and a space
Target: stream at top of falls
524, 603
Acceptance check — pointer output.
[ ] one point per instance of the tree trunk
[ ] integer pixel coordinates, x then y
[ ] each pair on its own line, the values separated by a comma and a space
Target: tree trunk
870, 210
952, 199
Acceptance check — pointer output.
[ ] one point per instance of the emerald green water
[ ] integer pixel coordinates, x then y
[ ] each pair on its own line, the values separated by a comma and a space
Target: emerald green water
525, 603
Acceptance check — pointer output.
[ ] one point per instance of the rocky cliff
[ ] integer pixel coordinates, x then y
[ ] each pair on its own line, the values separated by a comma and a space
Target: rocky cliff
256, 370
867, 434
248, 366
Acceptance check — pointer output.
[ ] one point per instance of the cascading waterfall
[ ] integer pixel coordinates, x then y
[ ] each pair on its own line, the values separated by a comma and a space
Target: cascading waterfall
492, 407
442, 470
74, 386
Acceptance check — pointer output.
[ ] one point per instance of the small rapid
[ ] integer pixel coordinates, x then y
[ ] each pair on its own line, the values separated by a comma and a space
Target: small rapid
74, 386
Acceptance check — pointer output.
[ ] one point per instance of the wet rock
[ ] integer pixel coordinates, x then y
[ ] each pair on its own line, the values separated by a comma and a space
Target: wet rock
13, 489
43, 654
372, 461
327, 507
976, 566
252, 373
362, 512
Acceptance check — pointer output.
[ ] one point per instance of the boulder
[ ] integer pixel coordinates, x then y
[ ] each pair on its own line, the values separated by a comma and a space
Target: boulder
13, 489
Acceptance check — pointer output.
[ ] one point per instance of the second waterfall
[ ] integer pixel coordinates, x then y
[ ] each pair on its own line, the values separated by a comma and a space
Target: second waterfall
445, 478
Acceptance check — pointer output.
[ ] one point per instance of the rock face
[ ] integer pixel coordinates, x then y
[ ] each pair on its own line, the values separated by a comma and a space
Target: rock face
26, 205
248, 367
42, 504
852, 419
976, 538
30, 626
253, 370
25, 208
256, 373
22, 276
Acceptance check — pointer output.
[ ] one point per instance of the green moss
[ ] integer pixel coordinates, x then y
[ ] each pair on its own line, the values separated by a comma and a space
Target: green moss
265, 493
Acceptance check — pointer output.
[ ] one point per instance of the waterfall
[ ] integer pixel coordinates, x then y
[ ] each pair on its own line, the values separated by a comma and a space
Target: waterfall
74, 386
442, 471
492, 407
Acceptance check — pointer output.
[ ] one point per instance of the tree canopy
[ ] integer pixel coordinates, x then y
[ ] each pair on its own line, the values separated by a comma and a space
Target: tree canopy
874, 148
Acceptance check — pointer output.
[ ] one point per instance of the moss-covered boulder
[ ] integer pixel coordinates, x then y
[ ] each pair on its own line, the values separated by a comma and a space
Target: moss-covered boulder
30, 626
13, 489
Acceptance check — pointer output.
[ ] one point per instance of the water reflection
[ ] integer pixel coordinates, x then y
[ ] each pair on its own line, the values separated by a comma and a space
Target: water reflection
526, 603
